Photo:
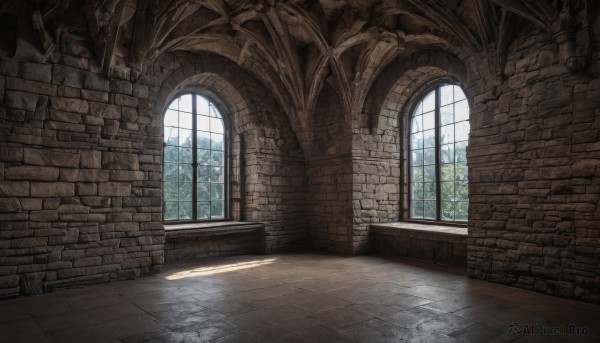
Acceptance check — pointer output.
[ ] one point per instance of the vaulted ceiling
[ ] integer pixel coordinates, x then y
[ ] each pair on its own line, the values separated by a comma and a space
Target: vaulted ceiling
297, 44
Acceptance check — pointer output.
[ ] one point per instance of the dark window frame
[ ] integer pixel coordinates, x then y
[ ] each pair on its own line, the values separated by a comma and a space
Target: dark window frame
226, 155
438, 161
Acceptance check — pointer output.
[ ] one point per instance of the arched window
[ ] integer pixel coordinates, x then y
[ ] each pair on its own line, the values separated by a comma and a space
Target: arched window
439, 135
194, 168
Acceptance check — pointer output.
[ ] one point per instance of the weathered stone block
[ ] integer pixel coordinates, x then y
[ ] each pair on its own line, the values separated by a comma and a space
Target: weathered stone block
117, 160
125, 100
21, 100
126, 175
52, 189
36, 72
11, 154
86, 189
43, 216
84, 175
42, 157
70, 105
105, 111
9, 205
96, 82
32, 173
91, 159
14, 188
114, 189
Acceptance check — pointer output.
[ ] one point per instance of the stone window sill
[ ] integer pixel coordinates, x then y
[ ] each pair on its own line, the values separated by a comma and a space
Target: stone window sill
212, 229
422, 231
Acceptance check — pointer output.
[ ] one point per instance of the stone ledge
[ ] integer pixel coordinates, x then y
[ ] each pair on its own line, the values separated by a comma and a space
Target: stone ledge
429, 242
451, 234
212, 229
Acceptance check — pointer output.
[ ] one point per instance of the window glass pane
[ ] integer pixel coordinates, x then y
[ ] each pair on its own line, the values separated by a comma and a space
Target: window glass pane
429, 139
447, 173
458, 94
171, 118
447, 153
462, 131
461, 172
203, 157
461, 111
170, 191
417, 158
217, 209
185, 120
171, 136
174, 105
448, 210
185, 103
202, 106
170, 172
185, 210
462, 191
430, 210
203, 140
448, 191
462, 211
216, 141
203, 123
185, 155
185, 173
447, 115
214, 112
446, 95
429, 173
171, 154
203, 173
203, 193
217, 191
417, 191
185, 191
185, 138
171, 210
416, 209
416, 140
216, 174
447, 134
429, 121
461, 151
429, 102
216, 125
203, 210
429, 156
417, 124
429, 191
217, 158
417, 174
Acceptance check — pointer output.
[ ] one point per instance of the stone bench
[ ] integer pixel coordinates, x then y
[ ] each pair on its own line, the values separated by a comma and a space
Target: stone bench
196, 241
435, 243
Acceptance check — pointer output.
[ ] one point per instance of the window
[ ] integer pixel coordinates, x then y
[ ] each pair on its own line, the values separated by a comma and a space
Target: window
439, 134
194, 181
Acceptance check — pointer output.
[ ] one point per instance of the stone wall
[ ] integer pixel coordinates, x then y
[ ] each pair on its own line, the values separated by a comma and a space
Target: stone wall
329, 177
80, 171
80, 176
535, 175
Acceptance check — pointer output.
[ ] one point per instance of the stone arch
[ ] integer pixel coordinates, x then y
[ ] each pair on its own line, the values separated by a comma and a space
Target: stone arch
394, 92
265, 159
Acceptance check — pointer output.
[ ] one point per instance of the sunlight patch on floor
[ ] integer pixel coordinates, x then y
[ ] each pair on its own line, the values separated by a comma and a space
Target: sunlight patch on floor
203, 271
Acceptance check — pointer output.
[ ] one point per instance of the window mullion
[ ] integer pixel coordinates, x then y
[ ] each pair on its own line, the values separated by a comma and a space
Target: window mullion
194, 160
438, 164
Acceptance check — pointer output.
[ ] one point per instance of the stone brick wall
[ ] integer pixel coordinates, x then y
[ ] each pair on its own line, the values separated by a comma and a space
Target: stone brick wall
535, 176
80, 176
80, 171
329, 177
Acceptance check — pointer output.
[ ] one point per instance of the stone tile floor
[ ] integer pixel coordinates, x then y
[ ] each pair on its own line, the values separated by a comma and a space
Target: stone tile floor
299, 297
